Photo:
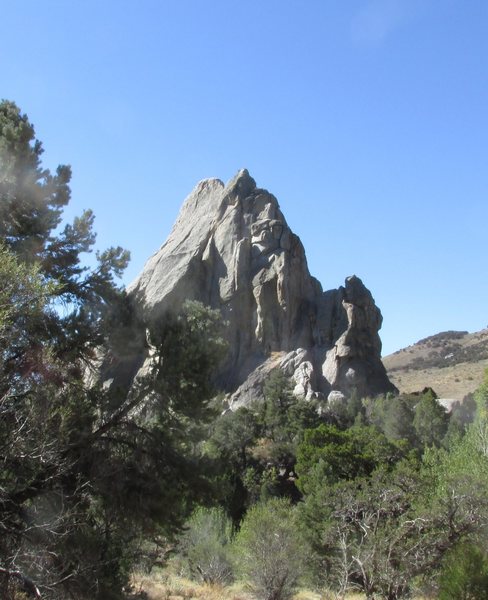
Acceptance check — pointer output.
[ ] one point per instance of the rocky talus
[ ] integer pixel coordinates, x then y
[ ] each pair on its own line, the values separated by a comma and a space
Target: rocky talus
232, 250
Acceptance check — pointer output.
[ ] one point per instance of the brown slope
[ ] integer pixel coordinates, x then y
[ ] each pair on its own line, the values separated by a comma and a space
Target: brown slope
451, 362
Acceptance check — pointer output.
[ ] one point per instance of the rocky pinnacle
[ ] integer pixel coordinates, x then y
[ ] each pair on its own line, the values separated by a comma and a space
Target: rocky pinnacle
232, 250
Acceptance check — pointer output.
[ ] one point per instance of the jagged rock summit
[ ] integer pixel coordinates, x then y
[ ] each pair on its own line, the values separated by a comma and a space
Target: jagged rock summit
232, 249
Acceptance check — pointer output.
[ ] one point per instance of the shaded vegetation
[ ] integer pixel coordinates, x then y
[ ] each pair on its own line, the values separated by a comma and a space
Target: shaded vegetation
87, 472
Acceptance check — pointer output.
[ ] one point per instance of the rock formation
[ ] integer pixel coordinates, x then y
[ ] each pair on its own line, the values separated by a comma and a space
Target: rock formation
232, 249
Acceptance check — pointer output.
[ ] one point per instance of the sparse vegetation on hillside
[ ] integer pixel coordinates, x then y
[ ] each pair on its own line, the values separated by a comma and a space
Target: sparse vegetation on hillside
442, 337
451, 362
446, 349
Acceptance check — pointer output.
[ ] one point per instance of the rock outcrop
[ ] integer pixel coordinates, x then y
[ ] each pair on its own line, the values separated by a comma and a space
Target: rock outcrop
232, 249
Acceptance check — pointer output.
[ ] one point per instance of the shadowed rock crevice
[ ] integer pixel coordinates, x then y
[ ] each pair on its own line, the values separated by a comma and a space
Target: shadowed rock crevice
231, 248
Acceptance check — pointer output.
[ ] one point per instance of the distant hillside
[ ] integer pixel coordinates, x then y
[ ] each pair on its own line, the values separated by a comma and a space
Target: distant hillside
451, 362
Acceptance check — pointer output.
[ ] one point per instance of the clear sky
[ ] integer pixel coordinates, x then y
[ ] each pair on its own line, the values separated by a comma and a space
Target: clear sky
368, 120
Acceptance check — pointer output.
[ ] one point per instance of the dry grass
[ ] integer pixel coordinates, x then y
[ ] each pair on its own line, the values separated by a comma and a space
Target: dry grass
164, 586
452, 381
161, 586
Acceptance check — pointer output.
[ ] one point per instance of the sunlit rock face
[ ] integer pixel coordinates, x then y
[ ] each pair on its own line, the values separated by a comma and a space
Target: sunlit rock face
232, 249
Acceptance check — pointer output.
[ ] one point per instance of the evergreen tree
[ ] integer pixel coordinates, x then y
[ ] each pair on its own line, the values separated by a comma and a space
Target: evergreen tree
85, 472
32, 200
328, 455
430, 421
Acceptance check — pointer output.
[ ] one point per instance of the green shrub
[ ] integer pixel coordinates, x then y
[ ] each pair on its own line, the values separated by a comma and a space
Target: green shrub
465, 574
270, 552
206, 546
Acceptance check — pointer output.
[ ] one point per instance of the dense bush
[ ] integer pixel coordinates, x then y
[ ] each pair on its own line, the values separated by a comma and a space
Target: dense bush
464, 574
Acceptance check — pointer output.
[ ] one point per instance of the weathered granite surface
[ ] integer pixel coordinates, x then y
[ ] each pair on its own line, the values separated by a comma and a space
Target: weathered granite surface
232, 249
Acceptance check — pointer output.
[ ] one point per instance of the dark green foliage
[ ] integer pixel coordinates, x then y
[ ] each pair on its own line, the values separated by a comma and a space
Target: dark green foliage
255, 448
328, 455
464, 574
430, 421
23, 300
278, 398
84, 463
283, 416
418, 419
188, 347
85, 472
381, 533
380, 522
394, 416
231, 439
31, 206
31, 199
378, 513
348, 412
233, 436
368, 533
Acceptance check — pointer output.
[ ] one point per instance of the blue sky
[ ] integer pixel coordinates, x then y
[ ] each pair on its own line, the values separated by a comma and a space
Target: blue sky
368, 119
